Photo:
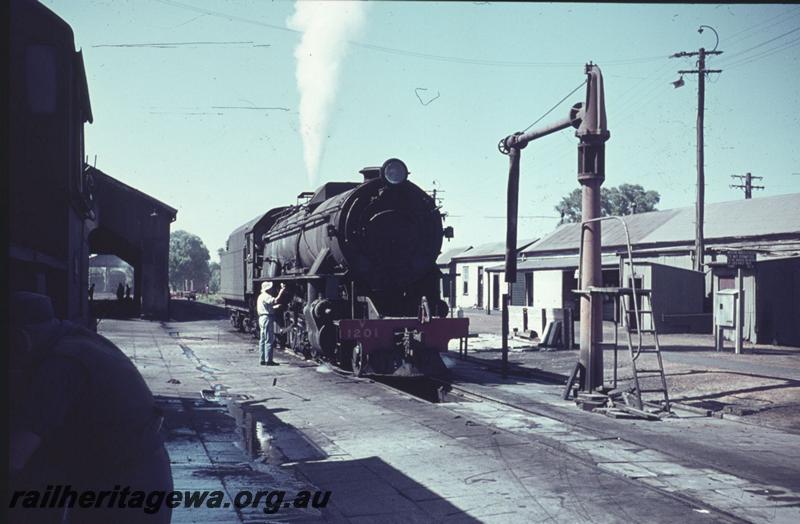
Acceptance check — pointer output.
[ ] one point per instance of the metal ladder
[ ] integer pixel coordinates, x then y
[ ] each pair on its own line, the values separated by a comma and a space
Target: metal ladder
636, 321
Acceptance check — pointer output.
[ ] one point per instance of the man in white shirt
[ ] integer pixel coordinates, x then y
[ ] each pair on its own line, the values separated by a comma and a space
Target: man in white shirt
265, 306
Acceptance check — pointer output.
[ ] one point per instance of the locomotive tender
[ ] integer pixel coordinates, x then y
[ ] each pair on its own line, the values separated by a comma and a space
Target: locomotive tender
359, 262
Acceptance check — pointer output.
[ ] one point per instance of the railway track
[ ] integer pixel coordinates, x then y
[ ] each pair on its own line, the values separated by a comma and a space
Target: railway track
534, 428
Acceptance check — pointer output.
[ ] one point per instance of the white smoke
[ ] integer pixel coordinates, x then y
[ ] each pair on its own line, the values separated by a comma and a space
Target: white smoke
326, 27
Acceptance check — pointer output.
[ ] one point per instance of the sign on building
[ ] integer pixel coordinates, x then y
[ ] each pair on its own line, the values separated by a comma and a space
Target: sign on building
741, 259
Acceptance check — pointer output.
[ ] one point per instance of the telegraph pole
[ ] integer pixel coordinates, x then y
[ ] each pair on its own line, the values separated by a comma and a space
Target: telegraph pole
748, 184
701, 73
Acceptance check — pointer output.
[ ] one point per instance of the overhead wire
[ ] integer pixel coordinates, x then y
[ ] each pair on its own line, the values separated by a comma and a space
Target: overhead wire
555, 106
736, 37
649, 81
764, 54
408, 53
761, 44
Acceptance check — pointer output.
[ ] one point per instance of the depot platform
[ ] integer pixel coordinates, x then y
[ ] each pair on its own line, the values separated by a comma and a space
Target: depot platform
506, 450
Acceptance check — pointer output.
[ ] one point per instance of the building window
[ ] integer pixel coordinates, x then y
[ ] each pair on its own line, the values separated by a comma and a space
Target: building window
529, 289
465, 279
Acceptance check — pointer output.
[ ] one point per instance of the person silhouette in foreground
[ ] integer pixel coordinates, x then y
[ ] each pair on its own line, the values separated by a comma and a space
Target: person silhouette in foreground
82, 419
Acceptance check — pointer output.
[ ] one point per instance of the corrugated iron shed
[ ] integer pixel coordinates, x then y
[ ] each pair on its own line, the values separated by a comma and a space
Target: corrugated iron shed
492, 249
753, 218
567, 236
448, 255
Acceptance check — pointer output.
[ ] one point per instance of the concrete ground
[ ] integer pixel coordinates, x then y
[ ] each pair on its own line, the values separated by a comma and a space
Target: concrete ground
761, 385
498, 451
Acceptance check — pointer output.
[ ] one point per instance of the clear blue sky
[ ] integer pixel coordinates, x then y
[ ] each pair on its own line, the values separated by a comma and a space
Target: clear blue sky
169, 120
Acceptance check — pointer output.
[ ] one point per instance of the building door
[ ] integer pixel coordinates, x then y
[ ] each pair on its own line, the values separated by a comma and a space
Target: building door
529, 289
480, 287
496, 291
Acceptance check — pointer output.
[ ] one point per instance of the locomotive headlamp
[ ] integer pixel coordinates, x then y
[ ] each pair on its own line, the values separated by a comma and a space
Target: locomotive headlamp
394, 171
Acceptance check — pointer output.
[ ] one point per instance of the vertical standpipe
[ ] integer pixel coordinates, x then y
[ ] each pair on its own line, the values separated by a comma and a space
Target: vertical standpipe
590, 120
512, 203
592, 133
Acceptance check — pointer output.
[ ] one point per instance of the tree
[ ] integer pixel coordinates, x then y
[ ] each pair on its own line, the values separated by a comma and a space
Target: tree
618, 201
188, 260
213, 283
214, 267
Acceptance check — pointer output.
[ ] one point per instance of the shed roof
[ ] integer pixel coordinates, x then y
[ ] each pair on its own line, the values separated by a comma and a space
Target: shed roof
492, 249
103, 178
755, 217
567, 236
448, 255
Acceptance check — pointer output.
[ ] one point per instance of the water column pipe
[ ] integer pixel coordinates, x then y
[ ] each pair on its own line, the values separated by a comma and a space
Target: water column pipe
589, 118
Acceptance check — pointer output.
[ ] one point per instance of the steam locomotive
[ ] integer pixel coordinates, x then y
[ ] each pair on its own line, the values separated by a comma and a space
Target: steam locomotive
359, 263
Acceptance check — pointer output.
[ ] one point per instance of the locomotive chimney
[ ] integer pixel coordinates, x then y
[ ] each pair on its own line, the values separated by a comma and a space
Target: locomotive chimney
371, 173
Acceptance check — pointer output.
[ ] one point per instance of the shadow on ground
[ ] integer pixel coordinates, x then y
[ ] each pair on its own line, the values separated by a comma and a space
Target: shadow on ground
190, 310
238, 444
113, 308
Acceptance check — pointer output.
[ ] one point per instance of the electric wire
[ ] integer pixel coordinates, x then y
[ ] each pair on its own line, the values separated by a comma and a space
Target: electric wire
784, 17
555, 106
738, 53
763, 54
412, 54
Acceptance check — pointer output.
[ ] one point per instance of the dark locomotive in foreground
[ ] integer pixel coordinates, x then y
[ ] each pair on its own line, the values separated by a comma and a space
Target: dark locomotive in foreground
359, 261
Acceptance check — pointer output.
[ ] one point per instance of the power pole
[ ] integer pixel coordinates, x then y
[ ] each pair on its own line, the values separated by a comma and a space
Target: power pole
701, 73
748, 184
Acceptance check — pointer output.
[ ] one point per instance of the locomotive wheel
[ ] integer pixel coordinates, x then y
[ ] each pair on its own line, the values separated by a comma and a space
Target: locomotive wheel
295, 339
358, 360
344, 355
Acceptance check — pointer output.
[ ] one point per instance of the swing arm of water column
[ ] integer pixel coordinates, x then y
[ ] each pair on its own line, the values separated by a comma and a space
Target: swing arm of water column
589, 118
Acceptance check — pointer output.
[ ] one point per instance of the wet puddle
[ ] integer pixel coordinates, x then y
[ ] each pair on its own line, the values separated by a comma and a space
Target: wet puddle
253, 437
201, 366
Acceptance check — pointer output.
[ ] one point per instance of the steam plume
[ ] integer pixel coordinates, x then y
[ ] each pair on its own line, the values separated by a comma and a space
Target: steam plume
326, 27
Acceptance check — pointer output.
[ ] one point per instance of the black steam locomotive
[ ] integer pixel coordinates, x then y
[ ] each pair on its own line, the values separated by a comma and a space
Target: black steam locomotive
359, 262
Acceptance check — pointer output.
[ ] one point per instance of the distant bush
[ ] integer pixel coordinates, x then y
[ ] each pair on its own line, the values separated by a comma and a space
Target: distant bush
212, 298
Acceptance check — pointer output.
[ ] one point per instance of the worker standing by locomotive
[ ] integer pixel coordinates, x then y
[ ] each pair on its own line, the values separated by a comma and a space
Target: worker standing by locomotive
267, 307
83, 419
